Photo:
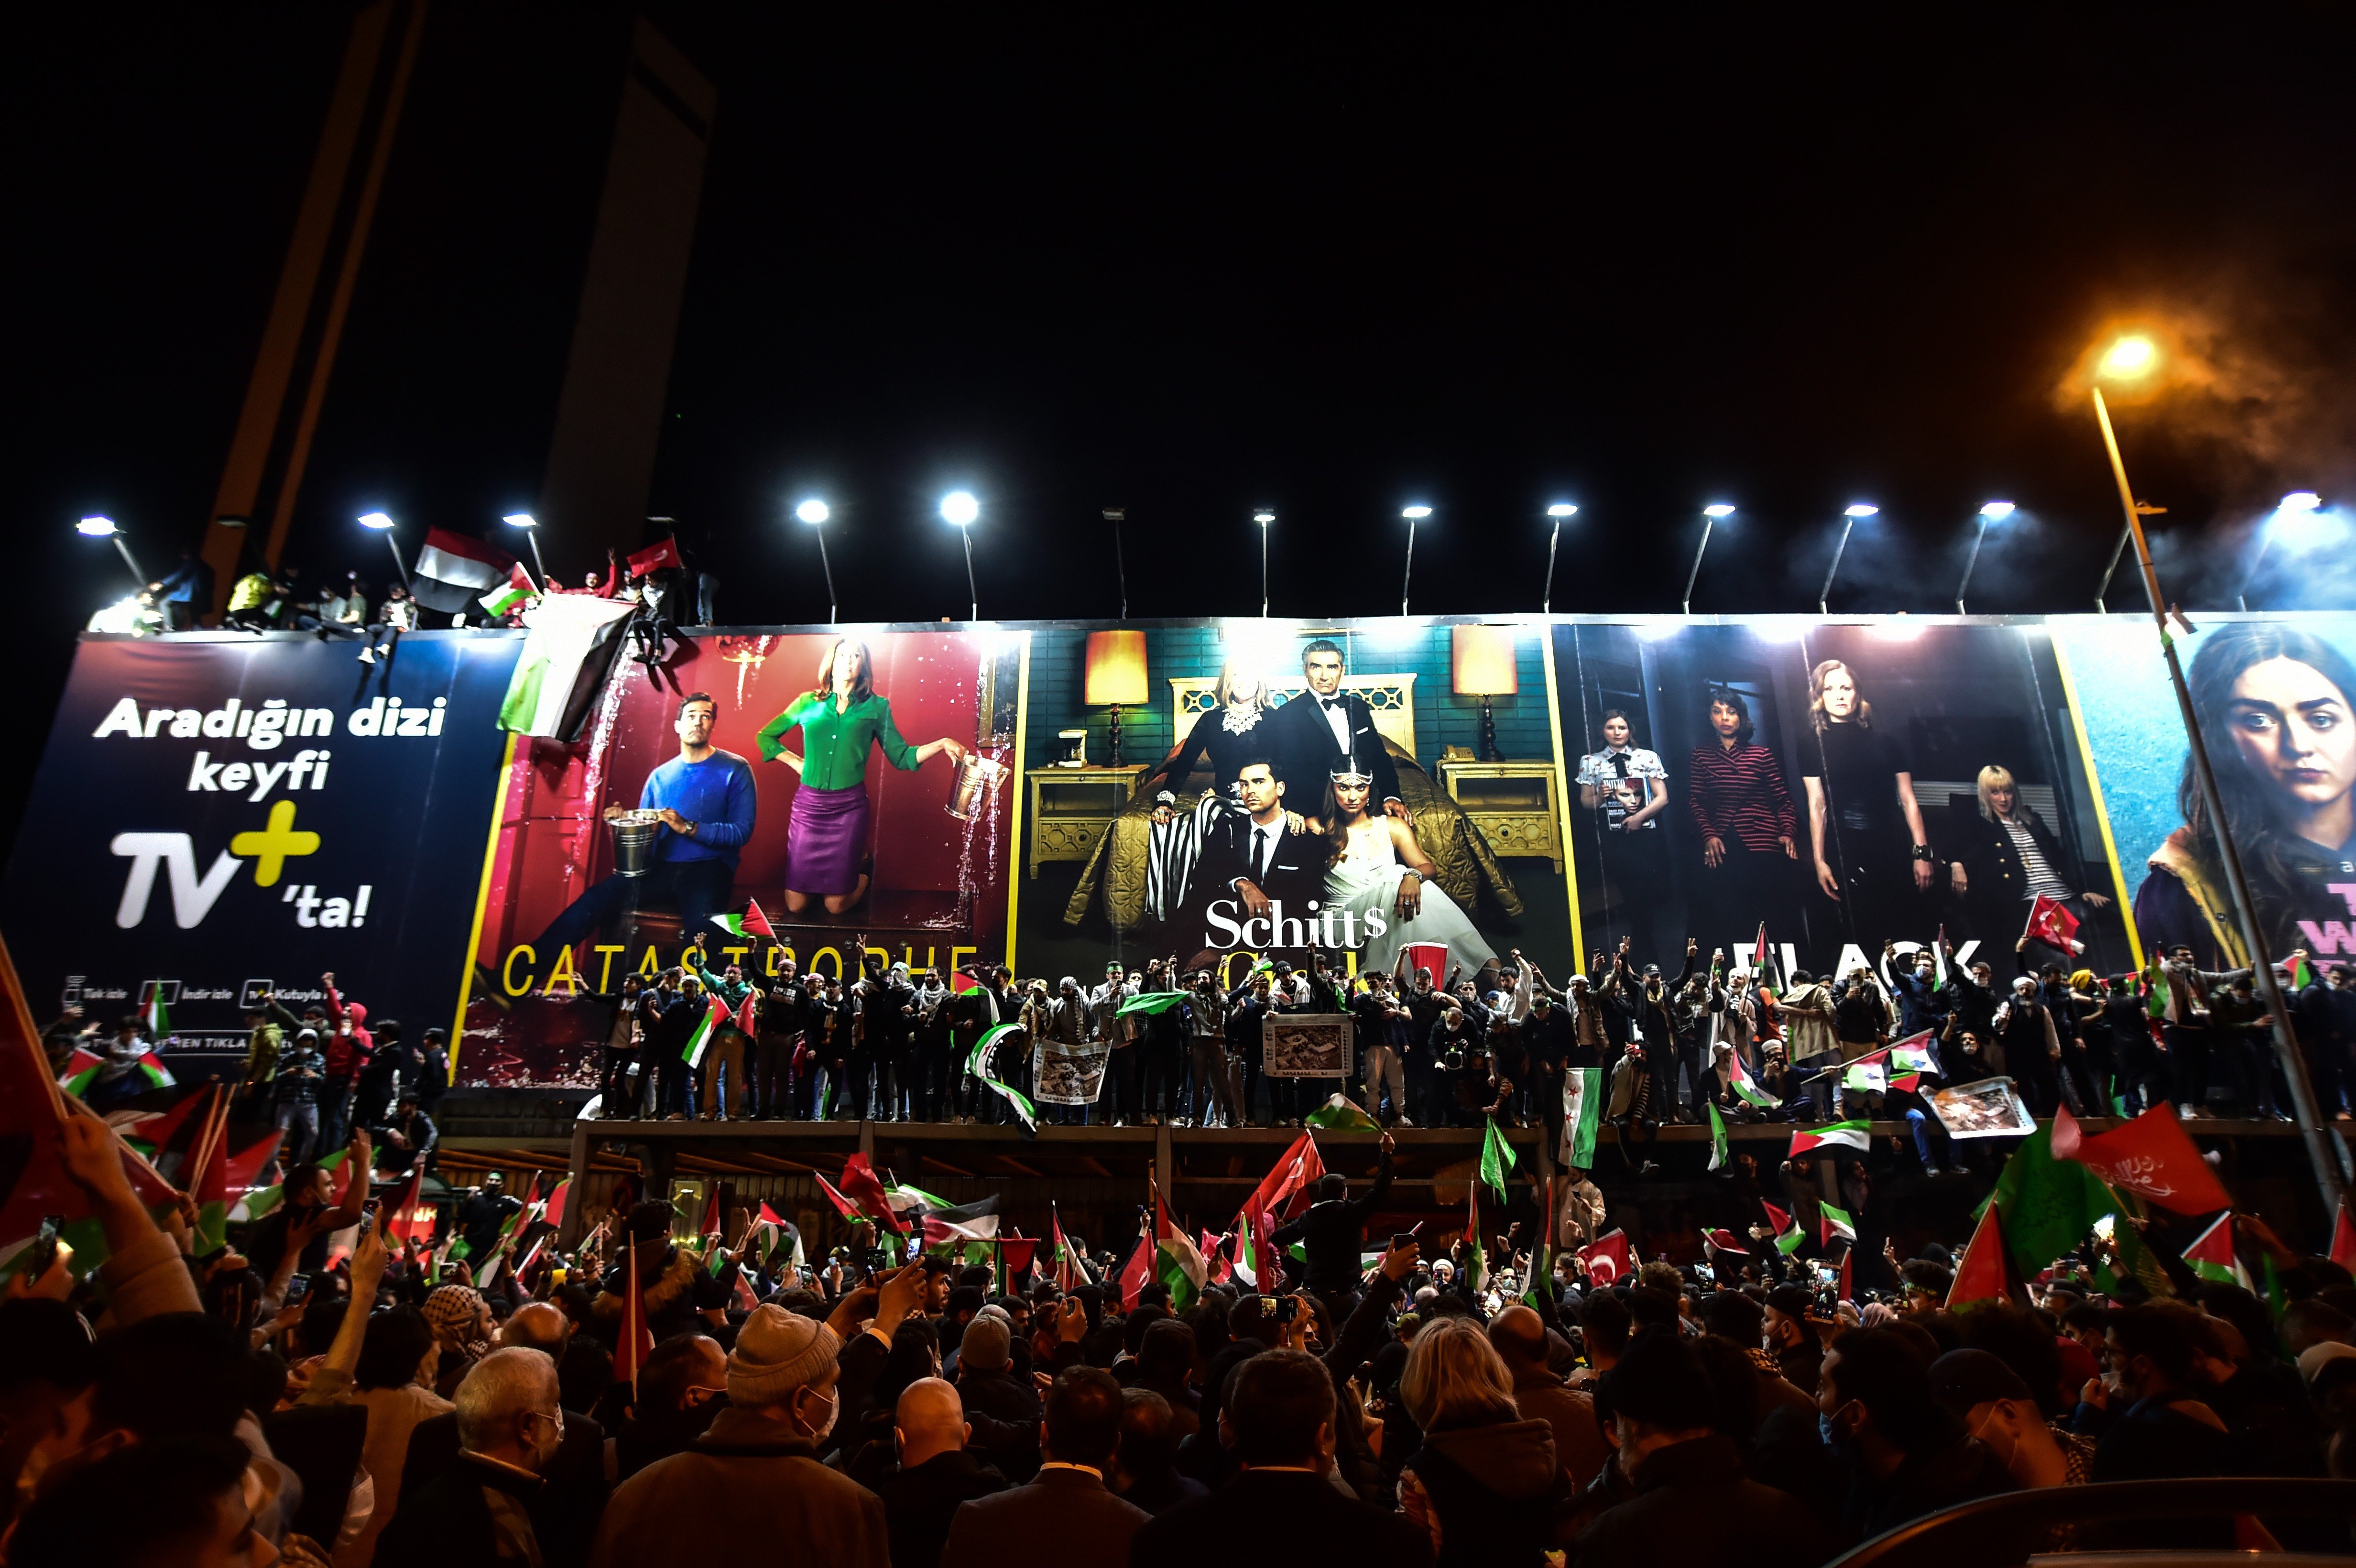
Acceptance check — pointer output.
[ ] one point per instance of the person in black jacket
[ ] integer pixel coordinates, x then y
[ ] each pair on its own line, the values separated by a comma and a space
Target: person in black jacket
618, 1039
1904, 1455
1333, 1233
937, 1472
1692, 1502
480, 1510
1279, 1421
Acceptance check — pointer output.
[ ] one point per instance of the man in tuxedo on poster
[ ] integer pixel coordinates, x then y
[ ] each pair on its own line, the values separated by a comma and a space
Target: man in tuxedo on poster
1261, 878
1326, 731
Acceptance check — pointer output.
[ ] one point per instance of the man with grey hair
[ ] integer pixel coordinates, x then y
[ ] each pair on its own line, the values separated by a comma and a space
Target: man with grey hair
479, 1509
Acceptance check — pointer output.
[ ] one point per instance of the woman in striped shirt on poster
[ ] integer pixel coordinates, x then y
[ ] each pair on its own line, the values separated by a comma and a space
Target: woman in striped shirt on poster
1743, 815
2006, 859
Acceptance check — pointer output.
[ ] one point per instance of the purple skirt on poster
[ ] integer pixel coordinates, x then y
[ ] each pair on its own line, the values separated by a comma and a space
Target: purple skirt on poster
826, 839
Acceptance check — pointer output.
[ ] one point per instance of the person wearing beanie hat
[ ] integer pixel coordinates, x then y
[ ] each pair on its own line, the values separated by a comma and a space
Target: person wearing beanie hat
1994, 1404
1001, 1408
755, 1477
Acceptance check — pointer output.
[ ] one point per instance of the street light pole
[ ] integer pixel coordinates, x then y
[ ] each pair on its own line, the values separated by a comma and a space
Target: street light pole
973, 587
1707, 523
1266, 520
833, 613
1413, 515
2119, 554
1559, 511
2302, 1092
1994, 512
141, 578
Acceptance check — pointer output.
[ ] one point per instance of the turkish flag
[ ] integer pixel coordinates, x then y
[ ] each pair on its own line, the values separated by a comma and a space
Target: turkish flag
2152, 1157
2053, 926
654, 557
1608, 1260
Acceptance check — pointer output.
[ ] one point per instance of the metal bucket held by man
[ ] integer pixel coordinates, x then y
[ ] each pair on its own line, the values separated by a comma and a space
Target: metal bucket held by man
634, 841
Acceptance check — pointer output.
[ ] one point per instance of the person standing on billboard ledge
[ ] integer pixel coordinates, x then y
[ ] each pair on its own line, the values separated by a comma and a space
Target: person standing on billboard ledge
707, 801
841, 718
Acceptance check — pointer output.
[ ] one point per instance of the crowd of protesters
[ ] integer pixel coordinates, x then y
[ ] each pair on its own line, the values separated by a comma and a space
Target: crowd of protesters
1448, 1404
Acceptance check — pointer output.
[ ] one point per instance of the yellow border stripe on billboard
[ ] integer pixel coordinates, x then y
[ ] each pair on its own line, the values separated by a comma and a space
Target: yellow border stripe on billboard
1562, 798
2094, 788
1020, 785
482, 898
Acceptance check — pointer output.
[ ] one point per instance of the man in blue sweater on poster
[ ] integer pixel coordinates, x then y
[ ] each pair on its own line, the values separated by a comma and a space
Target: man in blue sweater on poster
707, 802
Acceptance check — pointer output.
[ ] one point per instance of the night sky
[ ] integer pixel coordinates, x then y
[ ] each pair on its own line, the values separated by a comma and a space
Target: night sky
1190, 263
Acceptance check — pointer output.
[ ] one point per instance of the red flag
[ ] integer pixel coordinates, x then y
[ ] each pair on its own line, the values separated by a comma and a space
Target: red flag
1982, 1274
1608, 1259
1299, 1167
2344, 1240
842, 1205
1138, 1269
2053, 926
1845, 1291
657, 556
1722, 1240
711, 1225
1214, 1255
2152, 1157
866, 1189
406, 1222
1265, 1260
1432, 957
636, 1342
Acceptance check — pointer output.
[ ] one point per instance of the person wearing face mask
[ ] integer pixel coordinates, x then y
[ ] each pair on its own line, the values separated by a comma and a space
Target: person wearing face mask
1903, 1455
1996, 1407
479, 1512
753, 1478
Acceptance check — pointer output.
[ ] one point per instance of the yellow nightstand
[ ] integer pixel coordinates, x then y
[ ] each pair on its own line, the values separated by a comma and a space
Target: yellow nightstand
1516, 806
1071, 808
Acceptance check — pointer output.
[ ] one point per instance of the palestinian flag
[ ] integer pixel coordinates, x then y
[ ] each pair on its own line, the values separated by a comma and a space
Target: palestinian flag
906, 1198
1340, 1113
978, 1065
1851, 1134
1476, 1252
1739, 1076
555, 1211
155, 1015
151, 1131
1497, 1161
1831, 1223
2154, 990
452, 569
745, 1295
709, 1229
1150, 1002
957, 1229
1069, 1274
1718, 1158
2301, 976
562, 670
83, 1067
1542, 1257
518, 589
1984, 1272
1914, 1054
715, 1015
860, 1180
1869, 1074
750, 923
636, 1342
842, 1206
2212, 1257
1846, 1289
1583, 1116
1788, 1234
411, 1217
261, 1200
1759, 952
1177, 1263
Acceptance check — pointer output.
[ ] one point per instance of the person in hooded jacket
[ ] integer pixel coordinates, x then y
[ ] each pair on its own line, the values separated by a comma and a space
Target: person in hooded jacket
1485, 1485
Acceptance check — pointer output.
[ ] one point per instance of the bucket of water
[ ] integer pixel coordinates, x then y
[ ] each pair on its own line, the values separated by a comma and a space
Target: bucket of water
976, 776
634, 841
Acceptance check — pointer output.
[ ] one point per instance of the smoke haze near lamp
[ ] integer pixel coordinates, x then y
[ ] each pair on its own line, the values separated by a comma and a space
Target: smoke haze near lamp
1115, 678
1483, 665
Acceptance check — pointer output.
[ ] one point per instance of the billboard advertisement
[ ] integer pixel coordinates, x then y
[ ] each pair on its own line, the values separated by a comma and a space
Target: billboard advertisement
2272, 698
876, 809
219, 815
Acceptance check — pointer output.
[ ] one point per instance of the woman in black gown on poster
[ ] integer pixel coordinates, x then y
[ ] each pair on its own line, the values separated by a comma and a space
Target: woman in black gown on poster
1873, 858
1228, 733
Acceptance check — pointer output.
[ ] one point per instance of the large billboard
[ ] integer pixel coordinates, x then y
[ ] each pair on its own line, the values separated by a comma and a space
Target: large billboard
216, 816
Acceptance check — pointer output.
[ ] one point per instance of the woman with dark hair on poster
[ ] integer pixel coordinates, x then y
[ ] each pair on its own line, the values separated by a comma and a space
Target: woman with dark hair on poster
841, 719
1744, 817
2004, 860
1862, 819
2274, 704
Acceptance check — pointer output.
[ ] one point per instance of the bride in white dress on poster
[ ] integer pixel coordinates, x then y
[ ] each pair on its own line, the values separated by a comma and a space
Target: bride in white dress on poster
1381, 876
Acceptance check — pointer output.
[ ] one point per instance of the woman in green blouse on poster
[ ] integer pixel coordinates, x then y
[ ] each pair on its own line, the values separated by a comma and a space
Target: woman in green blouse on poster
841, 718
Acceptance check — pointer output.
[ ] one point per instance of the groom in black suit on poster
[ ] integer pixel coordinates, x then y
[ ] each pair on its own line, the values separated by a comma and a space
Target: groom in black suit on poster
1314, 732
1259, 877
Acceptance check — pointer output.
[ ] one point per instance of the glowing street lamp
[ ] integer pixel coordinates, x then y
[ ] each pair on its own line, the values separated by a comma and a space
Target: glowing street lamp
2290, 512
2130, 358
1266, 518
1994, 512
1709, 517
814, 512
383, 525
530, 527
1849, 515
1559, 511
1413, 515
958, 510
104, 528
1116, 516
